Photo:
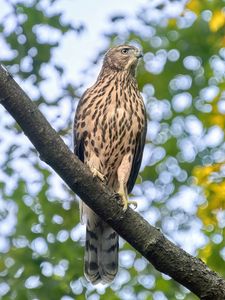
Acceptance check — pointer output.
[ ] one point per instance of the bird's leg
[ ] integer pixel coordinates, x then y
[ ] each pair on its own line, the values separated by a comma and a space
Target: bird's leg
97, 173
123, 173
122, 192
123, 197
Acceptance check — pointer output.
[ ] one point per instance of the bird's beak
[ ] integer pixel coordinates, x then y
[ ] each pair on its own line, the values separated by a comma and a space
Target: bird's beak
139, 54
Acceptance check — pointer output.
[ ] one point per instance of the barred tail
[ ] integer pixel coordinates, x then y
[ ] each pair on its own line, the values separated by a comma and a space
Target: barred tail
101, 250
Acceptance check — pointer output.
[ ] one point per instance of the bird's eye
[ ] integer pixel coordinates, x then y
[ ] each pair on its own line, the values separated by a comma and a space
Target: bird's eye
124, 50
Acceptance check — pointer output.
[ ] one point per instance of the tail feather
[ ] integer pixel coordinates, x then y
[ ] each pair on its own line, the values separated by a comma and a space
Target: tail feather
108, 256
101, 250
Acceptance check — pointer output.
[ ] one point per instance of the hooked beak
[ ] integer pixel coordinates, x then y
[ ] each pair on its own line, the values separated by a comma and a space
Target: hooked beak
139, 54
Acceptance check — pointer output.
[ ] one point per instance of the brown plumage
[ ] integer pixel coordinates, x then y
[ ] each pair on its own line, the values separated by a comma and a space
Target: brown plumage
109, 136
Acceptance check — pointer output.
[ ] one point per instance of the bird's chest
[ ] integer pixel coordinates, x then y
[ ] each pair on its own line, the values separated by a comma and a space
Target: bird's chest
114, 124
117, 117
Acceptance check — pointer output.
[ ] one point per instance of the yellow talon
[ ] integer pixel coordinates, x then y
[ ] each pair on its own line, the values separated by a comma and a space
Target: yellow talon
124, 200
98, 174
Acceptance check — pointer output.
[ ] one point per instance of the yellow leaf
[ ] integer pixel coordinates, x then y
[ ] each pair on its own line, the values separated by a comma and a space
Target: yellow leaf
206, 252
194, 5
202, 173
207, 216
217, 21
218, 120
214, 192
172, 22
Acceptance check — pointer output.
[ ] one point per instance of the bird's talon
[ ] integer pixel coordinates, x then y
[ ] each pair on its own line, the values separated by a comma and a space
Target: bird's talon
122, 200
125, 206
98, 174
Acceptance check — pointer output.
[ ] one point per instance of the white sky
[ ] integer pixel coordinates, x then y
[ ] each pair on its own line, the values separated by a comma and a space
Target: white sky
75, 52
78, 51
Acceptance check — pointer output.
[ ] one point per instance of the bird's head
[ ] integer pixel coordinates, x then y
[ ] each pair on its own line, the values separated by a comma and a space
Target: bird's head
123, 57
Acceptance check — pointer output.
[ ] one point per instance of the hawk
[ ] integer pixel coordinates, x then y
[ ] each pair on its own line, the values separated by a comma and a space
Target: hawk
109, 137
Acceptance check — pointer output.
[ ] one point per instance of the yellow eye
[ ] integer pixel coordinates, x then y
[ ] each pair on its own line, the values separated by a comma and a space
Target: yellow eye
125, 50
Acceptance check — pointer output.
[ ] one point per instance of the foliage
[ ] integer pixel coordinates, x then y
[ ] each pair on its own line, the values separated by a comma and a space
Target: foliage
181, 188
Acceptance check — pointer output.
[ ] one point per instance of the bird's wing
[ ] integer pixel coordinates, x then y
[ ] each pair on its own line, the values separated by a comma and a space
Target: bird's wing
78, 137
138, 153
79, 146
78, 142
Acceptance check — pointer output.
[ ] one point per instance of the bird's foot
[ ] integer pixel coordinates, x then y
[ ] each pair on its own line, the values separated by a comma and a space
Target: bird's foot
124, 200
98, 174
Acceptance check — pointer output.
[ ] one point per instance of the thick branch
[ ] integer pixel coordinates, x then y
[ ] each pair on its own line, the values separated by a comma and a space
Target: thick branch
149, 241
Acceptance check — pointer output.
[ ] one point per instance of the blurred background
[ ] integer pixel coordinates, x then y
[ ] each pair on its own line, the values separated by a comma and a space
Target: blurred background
54, 50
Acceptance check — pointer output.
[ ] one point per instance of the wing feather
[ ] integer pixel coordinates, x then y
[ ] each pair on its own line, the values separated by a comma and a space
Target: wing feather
78, 137
138, 153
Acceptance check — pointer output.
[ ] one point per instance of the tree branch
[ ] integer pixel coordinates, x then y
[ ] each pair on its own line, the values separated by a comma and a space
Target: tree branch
149, 241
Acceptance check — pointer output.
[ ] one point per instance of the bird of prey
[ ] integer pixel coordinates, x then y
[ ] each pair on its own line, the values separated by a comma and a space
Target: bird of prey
109, 137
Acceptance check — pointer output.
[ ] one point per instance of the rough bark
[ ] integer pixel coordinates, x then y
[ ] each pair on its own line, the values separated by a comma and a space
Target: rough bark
165, 256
